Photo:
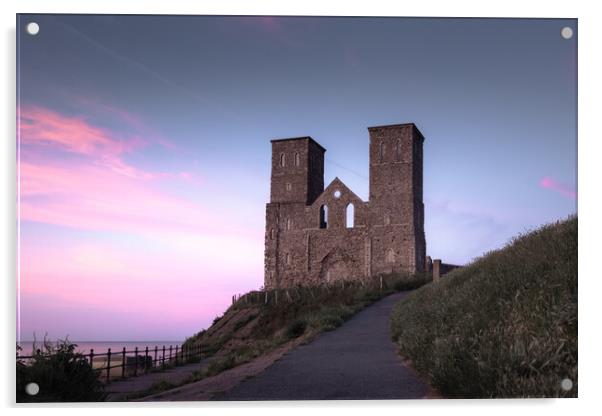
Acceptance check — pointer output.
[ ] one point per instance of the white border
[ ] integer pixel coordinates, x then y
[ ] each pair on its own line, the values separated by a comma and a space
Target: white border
589, 32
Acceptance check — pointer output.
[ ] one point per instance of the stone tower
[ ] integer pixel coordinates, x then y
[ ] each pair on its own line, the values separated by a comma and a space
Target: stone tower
316, 235
297, 170
396, 191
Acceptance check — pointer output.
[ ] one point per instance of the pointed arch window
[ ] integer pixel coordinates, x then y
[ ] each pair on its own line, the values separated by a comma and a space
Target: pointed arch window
387, 219
282, 159
390, 257
350, 215
297, 159
324, 216
398, 151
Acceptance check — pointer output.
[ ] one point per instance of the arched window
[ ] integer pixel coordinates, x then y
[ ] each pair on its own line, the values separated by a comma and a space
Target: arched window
282, 159
381, 151
296, 159
398, 151
289, 223
390, 257
288, 258
350, 215
289, 186
271, 234
323, 216
387, 219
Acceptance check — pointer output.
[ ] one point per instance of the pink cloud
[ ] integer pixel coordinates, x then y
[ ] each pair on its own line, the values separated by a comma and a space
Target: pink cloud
160, 253
40, 126
128, 118
99, 190
550, 183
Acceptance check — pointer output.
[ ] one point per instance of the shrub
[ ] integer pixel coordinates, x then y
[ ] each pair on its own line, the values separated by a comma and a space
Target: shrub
62, 374
296, 329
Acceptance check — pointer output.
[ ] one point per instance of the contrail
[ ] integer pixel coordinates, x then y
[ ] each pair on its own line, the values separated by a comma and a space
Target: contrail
145, 69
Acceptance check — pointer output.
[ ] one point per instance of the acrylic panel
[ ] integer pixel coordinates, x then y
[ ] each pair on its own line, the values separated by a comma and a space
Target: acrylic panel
295, 208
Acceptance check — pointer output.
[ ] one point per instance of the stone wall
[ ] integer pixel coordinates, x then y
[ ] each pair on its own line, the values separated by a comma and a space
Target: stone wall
308, 237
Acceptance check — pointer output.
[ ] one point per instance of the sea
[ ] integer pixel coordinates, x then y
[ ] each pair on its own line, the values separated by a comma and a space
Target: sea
103, 346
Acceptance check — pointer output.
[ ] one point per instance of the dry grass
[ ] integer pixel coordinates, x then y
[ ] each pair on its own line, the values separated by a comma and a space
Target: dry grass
251, 328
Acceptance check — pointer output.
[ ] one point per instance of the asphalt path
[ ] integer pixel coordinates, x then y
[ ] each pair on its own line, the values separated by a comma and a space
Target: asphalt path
356, 361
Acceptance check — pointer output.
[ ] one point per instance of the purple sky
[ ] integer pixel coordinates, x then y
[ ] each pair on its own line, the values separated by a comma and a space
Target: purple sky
145, 153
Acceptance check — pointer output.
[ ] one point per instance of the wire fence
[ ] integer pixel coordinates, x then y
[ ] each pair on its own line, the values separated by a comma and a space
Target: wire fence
380, 283
120, 364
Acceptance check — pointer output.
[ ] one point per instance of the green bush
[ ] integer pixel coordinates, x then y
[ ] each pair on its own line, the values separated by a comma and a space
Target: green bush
62, 374
504, 326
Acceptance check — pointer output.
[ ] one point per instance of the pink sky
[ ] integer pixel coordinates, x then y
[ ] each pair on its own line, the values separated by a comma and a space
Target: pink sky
552, 184
125, 257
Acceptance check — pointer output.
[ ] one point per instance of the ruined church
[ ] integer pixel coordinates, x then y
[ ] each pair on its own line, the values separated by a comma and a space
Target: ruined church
323, 235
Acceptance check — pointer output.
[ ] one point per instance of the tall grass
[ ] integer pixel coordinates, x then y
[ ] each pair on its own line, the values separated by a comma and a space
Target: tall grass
504, 326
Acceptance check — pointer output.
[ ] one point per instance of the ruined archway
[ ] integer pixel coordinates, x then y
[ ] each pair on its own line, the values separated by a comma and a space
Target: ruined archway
337, 266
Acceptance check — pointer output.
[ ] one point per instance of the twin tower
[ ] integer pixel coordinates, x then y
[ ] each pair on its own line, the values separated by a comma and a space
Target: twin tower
322, 235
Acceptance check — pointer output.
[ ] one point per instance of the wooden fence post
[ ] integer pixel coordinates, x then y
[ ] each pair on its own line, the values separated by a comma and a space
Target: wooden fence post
163, 359
176, 355
108, 365
92, 358
146, 359
169, 361
135, 361
123, 363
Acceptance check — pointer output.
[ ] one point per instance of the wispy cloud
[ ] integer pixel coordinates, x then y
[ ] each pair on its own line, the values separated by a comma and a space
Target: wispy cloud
97, 188
41, 126
44, 129
126, 229
552, 184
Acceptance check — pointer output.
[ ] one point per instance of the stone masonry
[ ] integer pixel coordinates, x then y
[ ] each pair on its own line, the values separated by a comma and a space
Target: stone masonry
322, 235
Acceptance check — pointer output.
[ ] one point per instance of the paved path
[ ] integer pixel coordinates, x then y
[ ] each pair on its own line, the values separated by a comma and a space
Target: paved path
356, 361
119, 389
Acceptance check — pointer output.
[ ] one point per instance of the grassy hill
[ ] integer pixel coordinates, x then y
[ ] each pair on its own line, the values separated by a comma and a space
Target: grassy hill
259, 322
504, 326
